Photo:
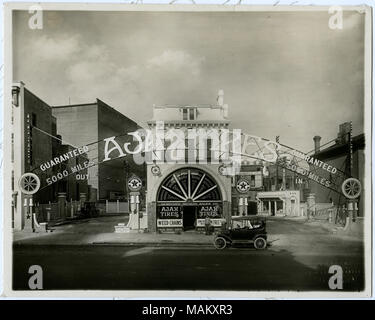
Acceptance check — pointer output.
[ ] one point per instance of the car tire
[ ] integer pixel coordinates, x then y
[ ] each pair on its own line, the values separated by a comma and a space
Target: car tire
260, 243
220, 243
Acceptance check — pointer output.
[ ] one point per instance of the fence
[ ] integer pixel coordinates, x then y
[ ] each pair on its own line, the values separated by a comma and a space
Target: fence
50, 211
333, 214
116, 206
47, 212
71, 209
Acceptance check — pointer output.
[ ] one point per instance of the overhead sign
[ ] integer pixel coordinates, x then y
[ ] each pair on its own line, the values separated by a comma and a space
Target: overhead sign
230, 147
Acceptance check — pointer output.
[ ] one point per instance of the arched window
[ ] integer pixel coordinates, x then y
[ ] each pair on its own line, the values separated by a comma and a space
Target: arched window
189, 184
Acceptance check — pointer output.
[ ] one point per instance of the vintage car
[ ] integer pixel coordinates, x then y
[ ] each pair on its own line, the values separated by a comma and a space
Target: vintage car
243, 230
89, 210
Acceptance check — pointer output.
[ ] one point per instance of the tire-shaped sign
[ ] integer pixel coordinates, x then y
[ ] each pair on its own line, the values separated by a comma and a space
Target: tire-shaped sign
351, 188
29, 183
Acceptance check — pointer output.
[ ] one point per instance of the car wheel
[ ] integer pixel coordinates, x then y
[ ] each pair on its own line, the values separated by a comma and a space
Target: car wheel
260, 243
220, 243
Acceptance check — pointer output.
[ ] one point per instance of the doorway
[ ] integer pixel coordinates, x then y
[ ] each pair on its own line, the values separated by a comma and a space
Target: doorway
189, 217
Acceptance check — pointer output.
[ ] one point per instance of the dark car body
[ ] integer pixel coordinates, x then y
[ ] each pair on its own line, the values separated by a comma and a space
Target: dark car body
244, 230
89, 210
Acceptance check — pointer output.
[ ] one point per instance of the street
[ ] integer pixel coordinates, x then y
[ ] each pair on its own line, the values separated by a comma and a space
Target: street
283, 266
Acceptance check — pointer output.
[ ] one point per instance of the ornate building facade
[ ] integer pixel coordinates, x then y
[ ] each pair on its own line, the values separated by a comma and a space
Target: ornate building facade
182, 193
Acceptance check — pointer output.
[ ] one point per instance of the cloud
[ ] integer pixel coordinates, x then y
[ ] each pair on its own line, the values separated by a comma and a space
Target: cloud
59, 49
176, 60
83, 72
95, 75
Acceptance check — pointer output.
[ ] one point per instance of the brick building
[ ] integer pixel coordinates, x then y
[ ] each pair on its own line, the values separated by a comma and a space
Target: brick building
345, 153
89, 124
37, 142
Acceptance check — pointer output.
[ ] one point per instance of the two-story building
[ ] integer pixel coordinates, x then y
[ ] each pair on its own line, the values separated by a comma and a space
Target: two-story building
245, 186
185, 188
346, 153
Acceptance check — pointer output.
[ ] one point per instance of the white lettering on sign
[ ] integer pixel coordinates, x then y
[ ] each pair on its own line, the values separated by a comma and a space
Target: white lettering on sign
311, 160
214, 222
58, 176
82, 166
64, 157
169, 223
226, 145
320, 164
209, 211
65, 173
82, 176
169, 212
303, 172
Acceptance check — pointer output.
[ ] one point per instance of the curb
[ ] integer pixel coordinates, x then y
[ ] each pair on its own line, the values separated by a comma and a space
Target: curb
154, 244
118, 244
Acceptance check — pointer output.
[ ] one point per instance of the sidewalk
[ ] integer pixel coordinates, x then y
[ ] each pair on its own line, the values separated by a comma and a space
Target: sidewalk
100, 231
59, 237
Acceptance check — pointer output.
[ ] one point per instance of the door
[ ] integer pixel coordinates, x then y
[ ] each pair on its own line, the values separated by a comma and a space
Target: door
252, 208
189, 217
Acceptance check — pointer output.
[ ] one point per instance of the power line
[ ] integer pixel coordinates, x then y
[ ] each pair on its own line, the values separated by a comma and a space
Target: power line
323, 145
52, 136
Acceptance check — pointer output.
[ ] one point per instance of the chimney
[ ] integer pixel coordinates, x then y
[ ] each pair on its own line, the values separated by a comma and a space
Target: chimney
343, 134
220, 98
225, 111
317, 143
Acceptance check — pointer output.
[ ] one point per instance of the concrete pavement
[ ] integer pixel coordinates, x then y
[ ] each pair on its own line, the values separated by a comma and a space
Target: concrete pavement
294, 233
89, 255
110, 267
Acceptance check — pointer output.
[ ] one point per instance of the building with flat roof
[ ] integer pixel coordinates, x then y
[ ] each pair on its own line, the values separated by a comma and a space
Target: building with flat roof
88, 125
245, 187
35, 143
182, 193
347, 154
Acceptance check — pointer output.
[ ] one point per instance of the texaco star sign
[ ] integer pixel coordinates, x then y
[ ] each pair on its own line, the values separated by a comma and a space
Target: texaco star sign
135, 184
243, 186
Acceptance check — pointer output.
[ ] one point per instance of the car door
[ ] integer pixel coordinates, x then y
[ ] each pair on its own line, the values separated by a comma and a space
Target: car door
235, 234
240, 234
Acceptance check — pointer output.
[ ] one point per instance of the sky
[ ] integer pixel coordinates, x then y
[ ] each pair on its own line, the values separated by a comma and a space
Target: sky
283, 73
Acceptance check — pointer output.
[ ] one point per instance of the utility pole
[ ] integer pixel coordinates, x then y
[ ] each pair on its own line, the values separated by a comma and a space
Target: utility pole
351, 149
126, 171
277, 166
351, 204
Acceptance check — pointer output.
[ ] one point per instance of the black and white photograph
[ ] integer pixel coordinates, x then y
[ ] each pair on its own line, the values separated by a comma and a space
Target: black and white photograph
187, 150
